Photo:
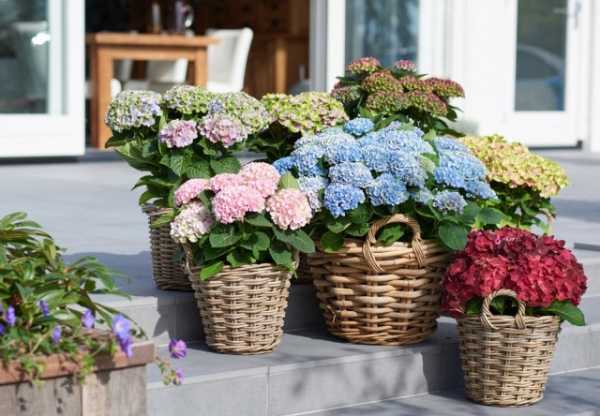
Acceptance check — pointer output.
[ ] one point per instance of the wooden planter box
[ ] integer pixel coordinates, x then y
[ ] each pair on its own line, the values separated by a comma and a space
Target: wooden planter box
117, 387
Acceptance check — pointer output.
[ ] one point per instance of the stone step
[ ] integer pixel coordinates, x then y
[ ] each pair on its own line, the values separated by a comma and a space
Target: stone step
569, 394
312, 371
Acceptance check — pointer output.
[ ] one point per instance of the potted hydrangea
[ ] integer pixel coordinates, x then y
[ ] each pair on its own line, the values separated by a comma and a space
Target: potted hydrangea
186, 133
397, 93
510, 290
53, 334
388, 205
523, 181
294, 116
241, 233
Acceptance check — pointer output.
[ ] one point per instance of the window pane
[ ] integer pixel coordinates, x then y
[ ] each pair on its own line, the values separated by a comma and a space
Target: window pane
541, 53
385, 29
24, 46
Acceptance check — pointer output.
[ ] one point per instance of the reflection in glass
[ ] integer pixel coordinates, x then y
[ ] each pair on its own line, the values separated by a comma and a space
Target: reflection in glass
541, 53
24, 50
385, 29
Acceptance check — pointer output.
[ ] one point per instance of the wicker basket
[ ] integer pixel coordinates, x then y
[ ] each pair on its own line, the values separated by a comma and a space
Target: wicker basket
372, 294
167, 270
506, 358
242, 308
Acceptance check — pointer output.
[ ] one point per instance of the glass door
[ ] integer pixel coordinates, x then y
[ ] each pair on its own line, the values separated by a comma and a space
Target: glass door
41, 78
546, 59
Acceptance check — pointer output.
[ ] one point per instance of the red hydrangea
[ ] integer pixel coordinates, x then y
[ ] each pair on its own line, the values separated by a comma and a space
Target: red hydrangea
364, 65
540, 270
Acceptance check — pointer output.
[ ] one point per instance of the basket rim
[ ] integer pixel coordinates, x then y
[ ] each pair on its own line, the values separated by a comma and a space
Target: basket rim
357, 243
503, 318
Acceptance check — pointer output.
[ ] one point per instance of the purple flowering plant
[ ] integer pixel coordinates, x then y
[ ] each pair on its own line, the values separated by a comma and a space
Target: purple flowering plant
183, 134
46, 306
398, 93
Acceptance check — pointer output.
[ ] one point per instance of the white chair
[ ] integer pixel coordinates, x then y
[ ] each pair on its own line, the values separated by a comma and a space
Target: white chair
122, 71
227, 59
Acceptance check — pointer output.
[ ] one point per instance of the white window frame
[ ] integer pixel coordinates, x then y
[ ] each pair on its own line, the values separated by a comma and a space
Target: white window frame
60, 131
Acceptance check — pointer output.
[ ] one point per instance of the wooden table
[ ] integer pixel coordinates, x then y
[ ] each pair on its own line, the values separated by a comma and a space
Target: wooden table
104, 48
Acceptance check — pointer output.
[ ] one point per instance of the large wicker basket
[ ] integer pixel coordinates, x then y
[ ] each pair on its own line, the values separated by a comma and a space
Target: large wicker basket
242, 308
506, 358
371, 294
167, 269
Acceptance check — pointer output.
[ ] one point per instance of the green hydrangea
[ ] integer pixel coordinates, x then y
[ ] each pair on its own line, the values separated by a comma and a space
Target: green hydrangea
250, 111
305, 113
188, 99
514, 165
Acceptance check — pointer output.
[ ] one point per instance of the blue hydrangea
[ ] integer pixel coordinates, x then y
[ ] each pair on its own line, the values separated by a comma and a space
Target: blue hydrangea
340, 198
312, 187
449, 202
133, 109
387, 190
480, 189
448, 143
398, 125
284, 165
422, 196
407, 167
404, 140
449, 176
346, 152
375, 157
466, 164
351, 173
307, 160
373, 138
359, 126
309, 139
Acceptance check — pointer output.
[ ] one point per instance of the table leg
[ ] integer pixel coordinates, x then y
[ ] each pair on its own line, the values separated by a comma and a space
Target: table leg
281, 59
102, 74
200, 68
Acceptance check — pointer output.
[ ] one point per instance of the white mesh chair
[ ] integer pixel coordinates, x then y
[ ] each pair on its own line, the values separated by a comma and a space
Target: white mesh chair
227, 59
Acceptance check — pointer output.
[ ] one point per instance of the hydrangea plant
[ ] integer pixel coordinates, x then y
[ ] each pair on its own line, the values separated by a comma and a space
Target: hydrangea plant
294, 116
253, 216
186, 133
354, 175
46, 305
543, 273
397, 93
523, 181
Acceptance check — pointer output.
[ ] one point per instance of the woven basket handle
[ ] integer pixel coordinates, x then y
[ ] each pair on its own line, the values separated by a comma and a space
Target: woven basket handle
486, 314
416, 242
187, 258
549, 218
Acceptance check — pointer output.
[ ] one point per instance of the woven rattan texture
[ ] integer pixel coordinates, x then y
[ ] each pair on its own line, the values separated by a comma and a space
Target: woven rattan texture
372, 294
167, 270
506, 358
243, 308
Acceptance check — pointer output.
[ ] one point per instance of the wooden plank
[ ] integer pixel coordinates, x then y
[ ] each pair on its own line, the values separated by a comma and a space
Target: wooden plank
8, 400
56, 397
281, 59
200, 65
126, 390
138, 39
147, 53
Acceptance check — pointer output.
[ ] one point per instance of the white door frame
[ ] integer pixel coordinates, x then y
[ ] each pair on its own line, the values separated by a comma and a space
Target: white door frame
61, 131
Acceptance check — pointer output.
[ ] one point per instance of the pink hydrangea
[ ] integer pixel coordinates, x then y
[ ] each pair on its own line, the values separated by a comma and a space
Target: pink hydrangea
190, 190
262, 177
191, 223
289, 209
178, 133
222, 128
225, 180
233, 203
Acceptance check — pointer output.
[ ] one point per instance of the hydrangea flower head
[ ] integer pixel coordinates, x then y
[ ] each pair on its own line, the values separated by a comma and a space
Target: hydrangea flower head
351, 173
359, 126
289, 209
341, 198
388, 102
405, 65
347, 152
190, 189
262, 177
376, 157
445, 88
407, 167
178, 133
248, 110
412, 83
381, 81
386, 189
188, 99
233, 203
364, 65
347, 95
192, 222
312, 187
225, 180
223, 129
284, 165
449, 202
133, 109
427, 102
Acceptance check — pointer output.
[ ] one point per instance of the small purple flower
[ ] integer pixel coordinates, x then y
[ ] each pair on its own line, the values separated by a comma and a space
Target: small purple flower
56, 334
178, 376
126, 346
11, 317
178, 133
87, 319
2, 329
121, 327
44, 307
177, 348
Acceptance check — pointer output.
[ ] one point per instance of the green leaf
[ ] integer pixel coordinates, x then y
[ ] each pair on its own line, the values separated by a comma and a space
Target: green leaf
258, 220
567, 311
223, 236
358, 230
359, 215
198, 169
297, 239
490, 216
145, 197
228, 164
453, 236
470, 213
281, 255
338, 225
430, 135
332, 242
288, 181
165, 218
473, 306
390, 234
258, 241
211, 270
238, 258
212, 253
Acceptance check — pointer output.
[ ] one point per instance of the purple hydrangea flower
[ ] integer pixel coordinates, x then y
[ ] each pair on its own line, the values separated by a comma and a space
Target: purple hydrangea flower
223, 129
56, 334
11, 317
44, 307
177, 348
133, 109
179, 133
88, 319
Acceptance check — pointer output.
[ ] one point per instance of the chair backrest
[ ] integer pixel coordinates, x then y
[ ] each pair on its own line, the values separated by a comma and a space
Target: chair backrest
227, 59
168, 72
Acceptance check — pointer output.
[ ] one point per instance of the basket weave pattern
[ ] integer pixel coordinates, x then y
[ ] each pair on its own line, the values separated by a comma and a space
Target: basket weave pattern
506, 358
167, 270
243, 308
372, 294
